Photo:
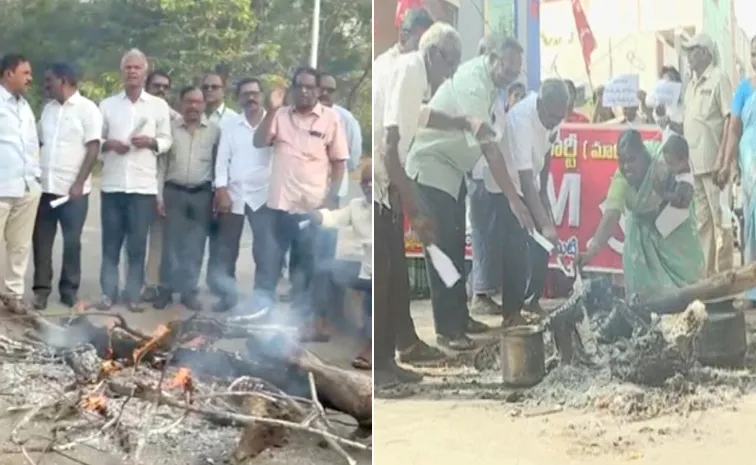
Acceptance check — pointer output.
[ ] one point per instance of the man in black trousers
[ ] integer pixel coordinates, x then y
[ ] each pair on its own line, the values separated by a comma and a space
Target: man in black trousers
70, 129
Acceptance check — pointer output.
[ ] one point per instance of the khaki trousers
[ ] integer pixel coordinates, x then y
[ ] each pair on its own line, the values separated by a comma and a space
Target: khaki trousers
17, 217
716, 241
154, 253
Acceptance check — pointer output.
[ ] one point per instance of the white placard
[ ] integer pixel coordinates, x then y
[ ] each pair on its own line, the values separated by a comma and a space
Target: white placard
667, 93
622, 91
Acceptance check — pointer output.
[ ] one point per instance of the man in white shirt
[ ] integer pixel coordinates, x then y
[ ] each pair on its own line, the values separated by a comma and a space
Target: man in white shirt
528, 130
242, 177
19, 169
214, 88
158, 84
399, 108
69, 130
415, 23
136, 129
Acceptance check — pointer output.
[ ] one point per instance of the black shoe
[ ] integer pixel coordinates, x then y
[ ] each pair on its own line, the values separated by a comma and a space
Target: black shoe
459, 343
162, 300
476, 327
134, 307
191, 302
68, 301
224, 305
105, 304
150, 293
39, 302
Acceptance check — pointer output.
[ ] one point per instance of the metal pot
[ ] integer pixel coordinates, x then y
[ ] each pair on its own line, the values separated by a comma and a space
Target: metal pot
523, 362
722, 341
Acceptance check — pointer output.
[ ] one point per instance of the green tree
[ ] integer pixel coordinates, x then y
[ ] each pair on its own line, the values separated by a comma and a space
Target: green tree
265, 38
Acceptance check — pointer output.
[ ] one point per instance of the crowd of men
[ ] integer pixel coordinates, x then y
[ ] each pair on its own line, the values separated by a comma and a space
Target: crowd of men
450, 136
444, 131
174, 180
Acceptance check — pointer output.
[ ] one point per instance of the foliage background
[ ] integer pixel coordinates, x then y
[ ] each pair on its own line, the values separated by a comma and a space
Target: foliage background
264, 38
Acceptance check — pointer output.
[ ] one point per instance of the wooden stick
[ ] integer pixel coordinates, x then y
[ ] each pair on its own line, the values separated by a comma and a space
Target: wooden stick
146, 393
722, 285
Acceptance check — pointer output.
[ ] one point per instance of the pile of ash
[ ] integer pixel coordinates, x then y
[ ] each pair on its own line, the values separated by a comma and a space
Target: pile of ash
634, 374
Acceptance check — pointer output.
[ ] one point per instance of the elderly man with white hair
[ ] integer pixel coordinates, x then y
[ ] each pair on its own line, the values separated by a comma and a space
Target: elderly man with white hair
399, 107
706, 111
437, 163
527, 130
136, 129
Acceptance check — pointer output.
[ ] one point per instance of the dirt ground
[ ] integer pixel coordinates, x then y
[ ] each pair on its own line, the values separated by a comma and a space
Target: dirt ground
454, 427
301, 449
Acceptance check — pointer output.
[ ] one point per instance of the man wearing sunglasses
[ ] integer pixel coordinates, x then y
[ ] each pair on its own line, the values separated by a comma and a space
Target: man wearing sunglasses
527, 130
214, 90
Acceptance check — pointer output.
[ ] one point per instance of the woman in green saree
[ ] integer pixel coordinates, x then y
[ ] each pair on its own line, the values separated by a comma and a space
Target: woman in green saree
651, 262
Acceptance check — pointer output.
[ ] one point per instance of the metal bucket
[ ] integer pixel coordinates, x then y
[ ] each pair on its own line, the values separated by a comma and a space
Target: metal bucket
722, 341
523, 362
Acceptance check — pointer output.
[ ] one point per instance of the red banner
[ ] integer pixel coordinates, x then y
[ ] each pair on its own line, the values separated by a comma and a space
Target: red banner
584, 159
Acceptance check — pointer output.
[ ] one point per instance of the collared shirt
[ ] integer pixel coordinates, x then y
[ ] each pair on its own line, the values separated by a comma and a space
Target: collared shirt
135, 172
304, 146
242, 167
440, 159
359, 215
706, 106
222, 115
64, 131
525, 144
353, 134
19, 146
190, 161
399, 102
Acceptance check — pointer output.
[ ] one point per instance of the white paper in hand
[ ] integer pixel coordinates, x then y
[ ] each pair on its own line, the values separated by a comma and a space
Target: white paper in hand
59, 201
444, 265
542, 241
670, 219
622, 91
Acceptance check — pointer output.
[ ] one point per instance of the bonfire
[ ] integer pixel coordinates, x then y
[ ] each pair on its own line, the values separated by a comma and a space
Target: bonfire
124, 388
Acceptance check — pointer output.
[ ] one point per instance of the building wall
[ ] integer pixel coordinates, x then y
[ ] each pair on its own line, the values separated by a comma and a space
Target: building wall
471, 26
633, 36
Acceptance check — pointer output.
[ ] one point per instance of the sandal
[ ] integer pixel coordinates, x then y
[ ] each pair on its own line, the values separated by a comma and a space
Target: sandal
420, 352
362, 363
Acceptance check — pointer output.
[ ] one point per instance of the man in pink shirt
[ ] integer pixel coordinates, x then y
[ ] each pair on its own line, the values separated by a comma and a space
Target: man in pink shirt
309, 158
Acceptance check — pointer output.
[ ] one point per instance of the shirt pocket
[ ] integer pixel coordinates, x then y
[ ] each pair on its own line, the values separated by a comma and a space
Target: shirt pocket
70, 130
707, 99
314, 146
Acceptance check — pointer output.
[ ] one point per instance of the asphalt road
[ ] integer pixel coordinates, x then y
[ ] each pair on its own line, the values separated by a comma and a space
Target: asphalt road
90, 287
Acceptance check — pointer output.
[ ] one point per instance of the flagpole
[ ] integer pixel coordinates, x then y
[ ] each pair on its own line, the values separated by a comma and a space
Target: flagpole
315, 34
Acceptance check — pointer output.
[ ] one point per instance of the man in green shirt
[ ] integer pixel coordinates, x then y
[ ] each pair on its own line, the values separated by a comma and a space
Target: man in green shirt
437, 163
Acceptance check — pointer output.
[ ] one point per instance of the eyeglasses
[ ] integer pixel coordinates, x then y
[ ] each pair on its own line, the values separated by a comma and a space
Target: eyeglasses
328, 90
161, 86
210, 87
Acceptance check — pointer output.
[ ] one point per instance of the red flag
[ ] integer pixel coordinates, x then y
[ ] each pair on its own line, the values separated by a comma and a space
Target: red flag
402, 6
587, 40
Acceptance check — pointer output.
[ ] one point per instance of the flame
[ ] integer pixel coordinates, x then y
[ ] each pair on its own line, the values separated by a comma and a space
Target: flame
109, 367
183, 379
96, 403
160, 334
